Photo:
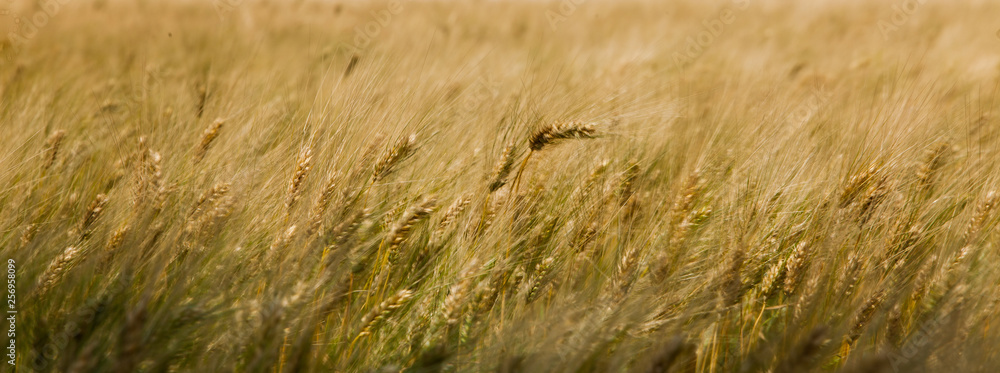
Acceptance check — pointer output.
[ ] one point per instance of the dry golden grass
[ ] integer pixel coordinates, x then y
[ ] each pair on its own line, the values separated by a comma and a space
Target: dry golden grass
312, 186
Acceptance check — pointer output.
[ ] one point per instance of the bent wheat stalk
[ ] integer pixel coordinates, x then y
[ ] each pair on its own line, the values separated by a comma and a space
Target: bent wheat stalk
550, 135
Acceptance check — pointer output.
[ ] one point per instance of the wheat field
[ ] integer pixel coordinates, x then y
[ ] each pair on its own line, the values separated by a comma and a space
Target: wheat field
500, 186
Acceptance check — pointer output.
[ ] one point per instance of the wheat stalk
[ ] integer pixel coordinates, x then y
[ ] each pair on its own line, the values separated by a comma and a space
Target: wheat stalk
626, 185
451, 215
856, 185
207, 138
208, 198
401, 230
302, 167
933, 160
52, 145
454, 303
540, 279
28, 234
772, 280
732, 284
282, 240
863, 317
981, 215
550, 135
321, 205
626, 270
795, 267
57, 269
378, 315
93, 213
503, 167
402, 150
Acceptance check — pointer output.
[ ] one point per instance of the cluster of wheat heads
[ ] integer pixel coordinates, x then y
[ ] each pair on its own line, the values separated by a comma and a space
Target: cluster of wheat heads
190, 193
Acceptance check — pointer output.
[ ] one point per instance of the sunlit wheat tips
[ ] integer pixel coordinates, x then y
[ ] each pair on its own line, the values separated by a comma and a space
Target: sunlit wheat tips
502, 168
451, 214
209, 206
206, 199
399, 152
856, 185
795, 267
113, 245
94, 212
302, 167
552, 133
539, 279
626, 185
282, 240
401, 230
149, 185
340, 233
454, 210
864, 316
455, 301
626, 270
371, 322
981, 215
934, 158
57, 269
52, 145
321, 205
207, 138
28, 234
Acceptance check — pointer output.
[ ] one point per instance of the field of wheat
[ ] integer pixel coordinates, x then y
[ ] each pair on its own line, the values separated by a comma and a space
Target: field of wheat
502, 186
